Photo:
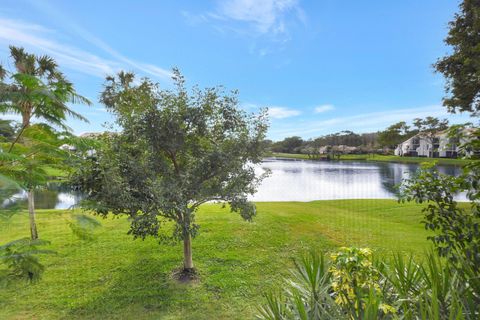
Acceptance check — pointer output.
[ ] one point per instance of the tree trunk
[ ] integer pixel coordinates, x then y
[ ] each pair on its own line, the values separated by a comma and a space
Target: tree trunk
31, 214
187, 253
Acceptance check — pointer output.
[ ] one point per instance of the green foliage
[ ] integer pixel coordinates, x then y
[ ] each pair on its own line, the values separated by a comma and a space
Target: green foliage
457, 232
457, 229
395, 134
7, 130
8, 188
430, 125
364, 142
306, 295
405, 278
26, 162
36, 88
177, 150
288, 145
461, 68
20, 257
354, 286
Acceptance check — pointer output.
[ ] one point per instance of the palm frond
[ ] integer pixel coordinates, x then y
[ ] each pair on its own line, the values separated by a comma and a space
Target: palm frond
21, 258
46, 65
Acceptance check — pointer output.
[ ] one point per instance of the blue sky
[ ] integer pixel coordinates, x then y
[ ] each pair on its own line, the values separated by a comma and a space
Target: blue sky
320, 66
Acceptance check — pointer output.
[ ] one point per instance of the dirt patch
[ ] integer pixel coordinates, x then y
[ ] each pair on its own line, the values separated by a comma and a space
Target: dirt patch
186, 276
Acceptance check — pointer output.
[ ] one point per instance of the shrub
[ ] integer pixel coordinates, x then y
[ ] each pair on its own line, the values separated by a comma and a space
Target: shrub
351, 284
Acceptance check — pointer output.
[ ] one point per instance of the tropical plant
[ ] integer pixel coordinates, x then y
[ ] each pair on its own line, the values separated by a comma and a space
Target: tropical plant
7, 130
35, 89
352, 284
306, 293
356, 284
175, 151
30, 161
21, 258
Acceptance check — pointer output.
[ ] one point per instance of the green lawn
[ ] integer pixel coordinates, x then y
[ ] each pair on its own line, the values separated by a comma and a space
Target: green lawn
382, 158
115, 277
55, 173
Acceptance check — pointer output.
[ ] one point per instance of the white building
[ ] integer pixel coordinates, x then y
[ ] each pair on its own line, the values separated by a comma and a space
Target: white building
409, 147
438, 146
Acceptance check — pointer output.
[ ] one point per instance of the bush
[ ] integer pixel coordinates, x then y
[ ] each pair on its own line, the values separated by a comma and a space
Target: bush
351, 284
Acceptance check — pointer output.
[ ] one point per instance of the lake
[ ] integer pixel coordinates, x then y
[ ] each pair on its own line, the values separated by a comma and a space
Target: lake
296, 180
305, 180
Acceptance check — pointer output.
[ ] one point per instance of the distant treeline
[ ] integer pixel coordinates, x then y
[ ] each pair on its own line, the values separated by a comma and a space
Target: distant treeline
350, 142
364, 141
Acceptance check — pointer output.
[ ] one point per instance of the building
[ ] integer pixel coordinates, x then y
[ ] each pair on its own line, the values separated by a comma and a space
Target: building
408, 148
438, 146
343, 149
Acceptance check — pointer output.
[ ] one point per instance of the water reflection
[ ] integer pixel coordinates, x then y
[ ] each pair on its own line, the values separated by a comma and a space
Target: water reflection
55, 196
297, 180
291, 180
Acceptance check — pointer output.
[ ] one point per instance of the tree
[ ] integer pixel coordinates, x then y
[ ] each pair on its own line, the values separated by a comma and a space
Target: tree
29, 161
26, 167
394, 135
35, 89
428, 129
462, 67
457, 227
176, 150
288, 145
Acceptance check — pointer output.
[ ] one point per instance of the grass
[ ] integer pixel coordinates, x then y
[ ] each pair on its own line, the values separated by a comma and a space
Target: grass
115, 277
55, 173
383, 158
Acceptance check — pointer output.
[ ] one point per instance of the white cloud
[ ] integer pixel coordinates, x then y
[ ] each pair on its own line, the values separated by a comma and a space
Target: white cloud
40, 39
35, 37
68, 22
324, 108
266, 16
281, 112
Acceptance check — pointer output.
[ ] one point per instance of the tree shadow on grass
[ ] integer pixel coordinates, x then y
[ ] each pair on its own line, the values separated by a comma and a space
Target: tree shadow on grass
144, 290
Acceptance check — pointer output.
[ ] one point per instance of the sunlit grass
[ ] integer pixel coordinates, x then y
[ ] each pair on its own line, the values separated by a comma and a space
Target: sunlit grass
116, 277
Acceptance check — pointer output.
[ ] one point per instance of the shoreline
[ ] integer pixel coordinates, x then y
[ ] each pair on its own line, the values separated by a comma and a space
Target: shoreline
375, 158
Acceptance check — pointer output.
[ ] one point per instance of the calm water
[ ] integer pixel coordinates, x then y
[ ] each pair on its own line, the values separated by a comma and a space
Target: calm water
295, 180
301, 180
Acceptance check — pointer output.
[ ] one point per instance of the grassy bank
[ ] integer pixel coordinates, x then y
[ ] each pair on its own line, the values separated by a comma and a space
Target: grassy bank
116, 277
381, 158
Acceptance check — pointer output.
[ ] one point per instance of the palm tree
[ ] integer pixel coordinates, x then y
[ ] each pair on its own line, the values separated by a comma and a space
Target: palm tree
36, 89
